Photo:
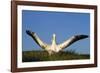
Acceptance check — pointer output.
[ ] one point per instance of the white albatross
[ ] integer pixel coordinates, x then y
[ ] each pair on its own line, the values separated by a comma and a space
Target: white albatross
54, 47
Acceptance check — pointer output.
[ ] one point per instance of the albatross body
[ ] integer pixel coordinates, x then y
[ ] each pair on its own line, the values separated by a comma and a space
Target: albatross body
54, 47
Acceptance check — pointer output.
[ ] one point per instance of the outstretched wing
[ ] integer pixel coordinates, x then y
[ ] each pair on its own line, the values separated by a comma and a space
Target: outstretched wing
71, 41
36, 39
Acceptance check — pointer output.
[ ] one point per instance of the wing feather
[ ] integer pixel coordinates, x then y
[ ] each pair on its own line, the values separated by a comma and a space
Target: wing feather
36, 39
71, 41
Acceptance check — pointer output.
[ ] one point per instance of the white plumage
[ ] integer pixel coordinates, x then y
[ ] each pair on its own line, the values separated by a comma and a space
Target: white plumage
54, 47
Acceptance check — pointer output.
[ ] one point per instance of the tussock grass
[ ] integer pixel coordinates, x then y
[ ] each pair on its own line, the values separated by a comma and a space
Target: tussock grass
32, 56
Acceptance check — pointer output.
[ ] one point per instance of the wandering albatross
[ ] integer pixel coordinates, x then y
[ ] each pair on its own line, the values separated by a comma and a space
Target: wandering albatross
54, 47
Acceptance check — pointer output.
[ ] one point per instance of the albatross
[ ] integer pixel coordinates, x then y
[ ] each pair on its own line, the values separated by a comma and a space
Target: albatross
54, 47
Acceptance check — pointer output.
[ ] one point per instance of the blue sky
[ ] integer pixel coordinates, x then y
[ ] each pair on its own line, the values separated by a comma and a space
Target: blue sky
63, 24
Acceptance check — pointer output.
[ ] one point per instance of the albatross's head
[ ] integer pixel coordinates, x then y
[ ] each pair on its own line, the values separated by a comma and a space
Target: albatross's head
54, 35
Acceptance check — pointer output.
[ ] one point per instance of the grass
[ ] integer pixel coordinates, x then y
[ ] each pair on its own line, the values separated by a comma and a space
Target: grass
33, 56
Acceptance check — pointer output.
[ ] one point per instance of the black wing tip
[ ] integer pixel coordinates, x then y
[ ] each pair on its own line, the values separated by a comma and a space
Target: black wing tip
85, 36
29, 32
81, 36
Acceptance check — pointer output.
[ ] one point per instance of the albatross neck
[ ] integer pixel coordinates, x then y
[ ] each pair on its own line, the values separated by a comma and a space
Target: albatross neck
54, 39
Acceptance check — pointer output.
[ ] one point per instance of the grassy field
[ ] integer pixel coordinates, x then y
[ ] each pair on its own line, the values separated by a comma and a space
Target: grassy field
33, 56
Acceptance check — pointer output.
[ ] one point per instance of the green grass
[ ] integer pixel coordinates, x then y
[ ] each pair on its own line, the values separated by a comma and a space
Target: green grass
31, 56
